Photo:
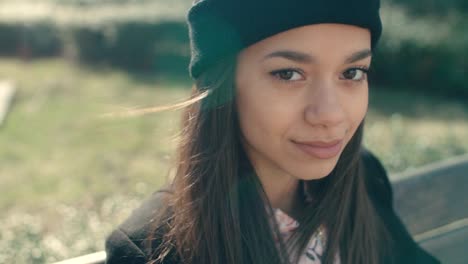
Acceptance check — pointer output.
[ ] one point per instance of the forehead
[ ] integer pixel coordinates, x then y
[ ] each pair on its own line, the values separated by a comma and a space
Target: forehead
320, 40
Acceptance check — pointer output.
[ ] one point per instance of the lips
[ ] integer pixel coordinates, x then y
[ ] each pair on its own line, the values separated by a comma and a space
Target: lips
320, 149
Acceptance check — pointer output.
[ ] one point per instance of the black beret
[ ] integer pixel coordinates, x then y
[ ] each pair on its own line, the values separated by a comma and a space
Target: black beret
224, 27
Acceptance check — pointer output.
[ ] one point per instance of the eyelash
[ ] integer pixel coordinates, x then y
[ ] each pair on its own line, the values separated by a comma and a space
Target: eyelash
365, 71
275, 73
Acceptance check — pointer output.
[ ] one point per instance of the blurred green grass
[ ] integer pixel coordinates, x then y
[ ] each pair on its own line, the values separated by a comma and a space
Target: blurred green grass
55, 140
407, 129
68, 177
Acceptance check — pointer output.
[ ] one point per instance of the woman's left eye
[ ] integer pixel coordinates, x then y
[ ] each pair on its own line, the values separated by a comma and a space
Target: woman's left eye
355, 74
287, 75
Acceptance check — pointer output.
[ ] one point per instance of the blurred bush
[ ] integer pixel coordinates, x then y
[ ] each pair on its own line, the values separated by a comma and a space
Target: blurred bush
426, 53
9, 36
30, 40
433, 7
423, 46
134, 35
160, 47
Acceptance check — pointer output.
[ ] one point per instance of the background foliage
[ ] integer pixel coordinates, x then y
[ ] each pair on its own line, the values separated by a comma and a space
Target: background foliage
424, 51
423, 45
68, 176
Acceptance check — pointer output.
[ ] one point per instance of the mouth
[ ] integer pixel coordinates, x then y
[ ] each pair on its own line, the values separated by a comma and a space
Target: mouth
320, 149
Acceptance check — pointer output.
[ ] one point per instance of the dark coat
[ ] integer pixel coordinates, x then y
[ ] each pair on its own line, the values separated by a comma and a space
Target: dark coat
126, 243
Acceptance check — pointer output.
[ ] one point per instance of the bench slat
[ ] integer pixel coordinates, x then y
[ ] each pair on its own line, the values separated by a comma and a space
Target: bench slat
95, 258
432, 201
432, 196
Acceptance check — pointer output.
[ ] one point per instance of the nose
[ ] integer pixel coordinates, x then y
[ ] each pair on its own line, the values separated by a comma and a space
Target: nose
324, 108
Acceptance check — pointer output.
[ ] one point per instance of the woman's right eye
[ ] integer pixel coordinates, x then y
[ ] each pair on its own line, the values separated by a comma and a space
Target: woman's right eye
287, 75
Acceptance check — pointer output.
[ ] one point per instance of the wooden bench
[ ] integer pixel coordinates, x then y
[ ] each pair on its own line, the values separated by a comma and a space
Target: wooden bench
433, 203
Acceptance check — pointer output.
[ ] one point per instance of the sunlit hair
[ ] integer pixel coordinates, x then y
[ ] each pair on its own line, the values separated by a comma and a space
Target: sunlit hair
218, 212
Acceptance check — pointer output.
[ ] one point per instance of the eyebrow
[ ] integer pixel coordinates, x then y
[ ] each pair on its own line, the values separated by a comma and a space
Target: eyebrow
360, 55
291, 55
306, 58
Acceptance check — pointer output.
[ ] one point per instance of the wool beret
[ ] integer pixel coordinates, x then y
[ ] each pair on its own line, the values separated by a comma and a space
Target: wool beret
218, 28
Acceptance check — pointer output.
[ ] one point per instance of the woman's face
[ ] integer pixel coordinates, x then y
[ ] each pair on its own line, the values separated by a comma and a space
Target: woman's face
301, 95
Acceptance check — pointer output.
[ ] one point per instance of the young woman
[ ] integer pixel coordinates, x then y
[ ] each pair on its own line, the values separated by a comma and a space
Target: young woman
270, 167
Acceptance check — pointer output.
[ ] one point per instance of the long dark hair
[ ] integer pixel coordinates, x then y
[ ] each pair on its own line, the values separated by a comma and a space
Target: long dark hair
218, 212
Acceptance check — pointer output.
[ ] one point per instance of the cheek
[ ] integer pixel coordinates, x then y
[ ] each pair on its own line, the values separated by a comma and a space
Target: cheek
357, 108
261, 107
261, 116
362, 105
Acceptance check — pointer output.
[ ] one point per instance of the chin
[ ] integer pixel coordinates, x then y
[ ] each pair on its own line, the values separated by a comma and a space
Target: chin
315, 174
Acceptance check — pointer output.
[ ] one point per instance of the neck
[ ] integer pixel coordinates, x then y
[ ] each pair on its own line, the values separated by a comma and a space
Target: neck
281, 188
282, 192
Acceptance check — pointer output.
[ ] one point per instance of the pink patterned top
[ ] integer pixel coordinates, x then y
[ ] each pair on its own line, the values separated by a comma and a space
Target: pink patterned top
314, 250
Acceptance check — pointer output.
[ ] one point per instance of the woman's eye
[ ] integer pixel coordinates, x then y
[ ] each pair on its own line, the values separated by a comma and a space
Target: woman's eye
287, 75
355, 74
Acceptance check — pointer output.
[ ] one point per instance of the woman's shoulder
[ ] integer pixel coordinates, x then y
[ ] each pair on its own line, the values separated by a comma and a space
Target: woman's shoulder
128, 243
380, 191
